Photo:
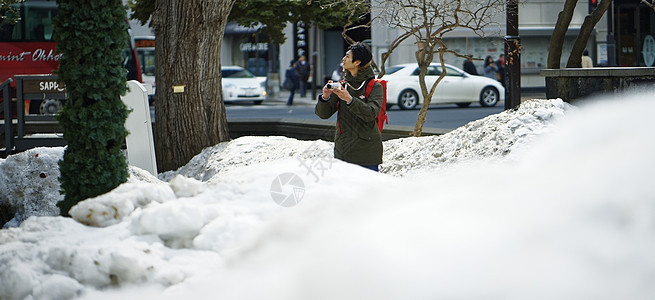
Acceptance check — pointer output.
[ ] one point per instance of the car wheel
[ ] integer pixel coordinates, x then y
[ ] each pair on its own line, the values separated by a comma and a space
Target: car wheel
258, 102
50, 107
463, 104
408, 99
489, 97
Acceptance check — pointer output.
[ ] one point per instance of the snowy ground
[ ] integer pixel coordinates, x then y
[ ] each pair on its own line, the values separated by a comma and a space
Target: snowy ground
546, 202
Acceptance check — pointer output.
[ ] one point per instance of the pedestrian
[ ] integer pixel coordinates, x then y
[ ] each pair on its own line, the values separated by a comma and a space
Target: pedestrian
490, 68
357, 137
469, 67
303, 70
586, 60
291, 81
500, 64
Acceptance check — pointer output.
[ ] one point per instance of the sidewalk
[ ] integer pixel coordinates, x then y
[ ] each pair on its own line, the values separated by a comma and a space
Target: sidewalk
283, 95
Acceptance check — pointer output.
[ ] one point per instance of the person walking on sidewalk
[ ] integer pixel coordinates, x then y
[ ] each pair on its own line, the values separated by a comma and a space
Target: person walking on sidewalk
357, 138
469, 67
490, 68
303, 69
500, 64
291, 81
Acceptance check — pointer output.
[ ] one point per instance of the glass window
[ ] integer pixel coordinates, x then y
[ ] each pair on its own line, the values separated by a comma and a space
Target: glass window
393, 69
452, 72
147, 60
432, 71
35, 23
236, 73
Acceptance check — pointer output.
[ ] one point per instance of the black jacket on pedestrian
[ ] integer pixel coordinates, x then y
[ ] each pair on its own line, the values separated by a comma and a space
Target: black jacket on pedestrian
469, 67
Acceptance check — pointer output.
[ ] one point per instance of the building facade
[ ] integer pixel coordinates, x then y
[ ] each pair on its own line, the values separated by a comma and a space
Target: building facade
623, 37
537, 19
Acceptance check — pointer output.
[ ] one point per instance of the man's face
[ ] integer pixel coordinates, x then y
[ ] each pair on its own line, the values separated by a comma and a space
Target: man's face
348, 61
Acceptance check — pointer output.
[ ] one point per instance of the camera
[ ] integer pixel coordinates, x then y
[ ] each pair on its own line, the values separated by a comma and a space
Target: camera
333, 85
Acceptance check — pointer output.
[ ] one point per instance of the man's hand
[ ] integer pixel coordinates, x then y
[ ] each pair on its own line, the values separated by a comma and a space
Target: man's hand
341, 92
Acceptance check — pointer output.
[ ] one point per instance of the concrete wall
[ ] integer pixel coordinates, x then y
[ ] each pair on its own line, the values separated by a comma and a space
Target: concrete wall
577, 84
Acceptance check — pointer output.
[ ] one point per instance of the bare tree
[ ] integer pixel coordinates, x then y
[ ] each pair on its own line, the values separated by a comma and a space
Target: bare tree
190, 114
650, 3
590, 21
427, 22
562, 25
557, 39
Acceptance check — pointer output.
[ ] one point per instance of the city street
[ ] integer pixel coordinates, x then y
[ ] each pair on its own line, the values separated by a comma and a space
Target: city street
439, 116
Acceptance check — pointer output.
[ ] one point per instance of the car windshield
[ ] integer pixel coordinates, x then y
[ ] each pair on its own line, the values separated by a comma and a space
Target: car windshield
237, 73
393, 69
435, 70
432, 71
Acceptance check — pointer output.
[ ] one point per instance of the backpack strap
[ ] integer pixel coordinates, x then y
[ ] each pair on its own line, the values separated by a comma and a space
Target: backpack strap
369, 87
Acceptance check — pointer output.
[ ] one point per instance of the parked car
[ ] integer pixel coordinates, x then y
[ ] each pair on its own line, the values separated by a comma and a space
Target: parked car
241, 85
457, 87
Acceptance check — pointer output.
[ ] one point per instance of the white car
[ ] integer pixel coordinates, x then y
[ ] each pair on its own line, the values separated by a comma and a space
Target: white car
457, 87
241, 85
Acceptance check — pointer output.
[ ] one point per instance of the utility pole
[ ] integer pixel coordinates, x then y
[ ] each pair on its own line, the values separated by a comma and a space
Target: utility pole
512, 56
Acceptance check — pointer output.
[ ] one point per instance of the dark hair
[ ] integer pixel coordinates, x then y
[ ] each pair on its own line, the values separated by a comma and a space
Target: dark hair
362, 53
585, 53
488, 60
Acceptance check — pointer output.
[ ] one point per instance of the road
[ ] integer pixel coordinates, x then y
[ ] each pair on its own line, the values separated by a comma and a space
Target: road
438, 116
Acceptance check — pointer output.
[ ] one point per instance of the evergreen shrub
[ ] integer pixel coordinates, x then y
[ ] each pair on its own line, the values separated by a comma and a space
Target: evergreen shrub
91, 37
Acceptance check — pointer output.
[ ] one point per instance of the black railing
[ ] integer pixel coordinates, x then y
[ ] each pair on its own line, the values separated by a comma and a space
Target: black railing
34, 88
6, 110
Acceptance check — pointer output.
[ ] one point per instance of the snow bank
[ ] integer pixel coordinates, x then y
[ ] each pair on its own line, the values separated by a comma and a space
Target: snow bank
494, 136
491, 137
32, 187
246, 151
29, 184
568, 215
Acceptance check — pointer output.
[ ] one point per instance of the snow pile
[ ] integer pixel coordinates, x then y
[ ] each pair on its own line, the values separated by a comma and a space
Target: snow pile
29, 183
164, 241
577, 222
248, 150
112, 208
494, 136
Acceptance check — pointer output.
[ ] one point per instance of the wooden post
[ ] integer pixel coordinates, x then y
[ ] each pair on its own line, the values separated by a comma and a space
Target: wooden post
512, 57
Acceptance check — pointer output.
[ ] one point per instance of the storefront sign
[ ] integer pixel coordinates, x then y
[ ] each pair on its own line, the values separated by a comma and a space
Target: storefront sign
252, 47
36, 86
300, 39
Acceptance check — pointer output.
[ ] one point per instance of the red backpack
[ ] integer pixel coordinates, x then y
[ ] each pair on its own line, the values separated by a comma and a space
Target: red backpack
382, 116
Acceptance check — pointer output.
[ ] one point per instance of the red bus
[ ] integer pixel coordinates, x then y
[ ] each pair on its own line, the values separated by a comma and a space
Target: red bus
27, 47
145, 51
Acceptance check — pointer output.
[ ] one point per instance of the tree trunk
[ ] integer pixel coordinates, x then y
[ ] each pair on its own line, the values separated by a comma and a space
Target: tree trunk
575, 59
559, 34
424, 60
189, 110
